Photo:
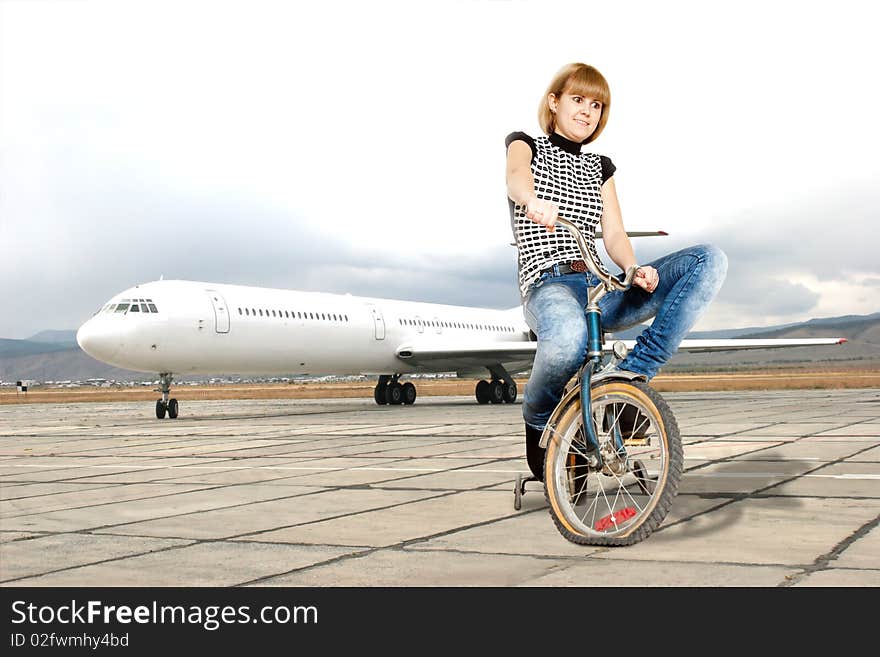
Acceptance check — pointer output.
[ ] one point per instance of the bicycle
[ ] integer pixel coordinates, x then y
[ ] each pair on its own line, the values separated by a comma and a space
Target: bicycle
610, 472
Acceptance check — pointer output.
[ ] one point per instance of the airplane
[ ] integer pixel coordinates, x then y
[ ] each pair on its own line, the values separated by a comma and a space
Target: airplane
179, 327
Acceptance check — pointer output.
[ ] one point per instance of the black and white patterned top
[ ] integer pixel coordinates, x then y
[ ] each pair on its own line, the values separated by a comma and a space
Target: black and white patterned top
571, 179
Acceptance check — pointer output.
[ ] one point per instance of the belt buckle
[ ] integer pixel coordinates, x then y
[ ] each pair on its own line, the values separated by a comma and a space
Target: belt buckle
578, 265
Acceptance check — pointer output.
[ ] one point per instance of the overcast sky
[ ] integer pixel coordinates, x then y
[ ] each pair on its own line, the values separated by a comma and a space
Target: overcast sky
359, 146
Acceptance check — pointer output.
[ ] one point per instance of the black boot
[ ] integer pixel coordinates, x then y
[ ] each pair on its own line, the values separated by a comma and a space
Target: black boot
534, 452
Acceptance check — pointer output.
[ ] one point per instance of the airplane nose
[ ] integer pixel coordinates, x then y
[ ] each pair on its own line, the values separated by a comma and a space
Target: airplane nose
96, 340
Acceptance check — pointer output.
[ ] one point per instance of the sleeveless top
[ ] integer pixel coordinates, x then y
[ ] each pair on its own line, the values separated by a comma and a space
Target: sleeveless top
573, 181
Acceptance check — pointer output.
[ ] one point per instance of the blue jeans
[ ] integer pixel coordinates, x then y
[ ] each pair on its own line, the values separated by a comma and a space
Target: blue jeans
554, 310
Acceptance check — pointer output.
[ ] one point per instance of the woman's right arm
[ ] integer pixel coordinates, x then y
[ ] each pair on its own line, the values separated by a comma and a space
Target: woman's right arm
521, 186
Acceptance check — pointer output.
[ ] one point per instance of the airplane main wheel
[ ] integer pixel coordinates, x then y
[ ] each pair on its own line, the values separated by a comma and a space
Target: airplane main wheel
409, 393
379, 394
172, 409
160, 409
496, 392
394, 393
482, 392
509, 388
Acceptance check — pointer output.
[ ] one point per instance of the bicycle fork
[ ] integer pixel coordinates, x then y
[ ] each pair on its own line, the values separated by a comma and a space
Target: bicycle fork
590, 367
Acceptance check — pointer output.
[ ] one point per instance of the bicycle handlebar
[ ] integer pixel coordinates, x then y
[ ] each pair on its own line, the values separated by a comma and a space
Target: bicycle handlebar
611, 283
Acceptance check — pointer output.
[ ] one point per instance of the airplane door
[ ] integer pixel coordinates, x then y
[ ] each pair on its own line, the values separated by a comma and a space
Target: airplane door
221, 313
378, 322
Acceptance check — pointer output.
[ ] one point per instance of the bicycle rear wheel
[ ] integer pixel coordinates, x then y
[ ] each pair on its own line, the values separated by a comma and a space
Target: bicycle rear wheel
623, 500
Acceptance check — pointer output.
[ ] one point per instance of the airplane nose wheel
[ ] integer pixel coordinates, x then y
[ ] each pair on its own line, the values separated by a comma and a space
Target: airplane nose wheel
166, 405
171, 407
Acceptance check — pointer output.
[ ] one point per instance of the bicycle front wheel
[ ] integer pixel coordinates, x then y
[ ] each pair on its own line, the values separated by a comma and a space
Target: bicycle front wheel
621, 494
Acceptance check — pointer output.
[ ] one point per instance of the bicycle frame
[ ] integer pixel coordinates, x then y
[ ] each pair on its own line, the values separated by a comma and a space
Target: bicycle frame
594, 344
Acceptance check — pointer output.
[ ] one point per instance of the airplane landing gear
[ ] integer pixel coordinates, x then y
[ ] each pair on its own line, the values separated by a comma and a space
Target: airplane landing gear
379, 391
166, 405
502, 389
390, 391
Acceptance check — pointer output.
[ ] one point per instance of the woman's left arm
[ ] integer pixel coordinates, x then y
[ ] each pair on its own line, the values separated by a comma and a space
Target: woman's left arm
617, 242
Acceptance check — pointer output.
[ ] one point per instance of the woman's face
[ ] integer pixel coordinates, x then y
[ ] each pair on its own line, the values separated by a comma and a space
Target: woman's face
576, 116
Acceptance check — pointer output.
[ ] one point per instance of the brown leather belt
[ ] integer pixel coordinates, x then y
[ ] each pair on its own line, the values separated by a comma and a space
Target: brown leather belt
575, 266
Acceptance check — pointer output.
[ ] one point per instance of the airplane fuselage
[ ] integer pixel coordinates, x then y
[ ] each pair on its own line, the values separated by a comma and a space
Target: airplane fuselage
207, 328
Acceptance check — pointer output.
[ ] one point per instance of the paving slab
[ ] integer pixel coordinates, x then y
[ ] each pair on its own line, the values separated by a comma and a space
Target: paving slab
401, 522
261, 520
837, 578
209, 564
86, 498
607, 573
862, 553
397, 567
162, 503
43, 554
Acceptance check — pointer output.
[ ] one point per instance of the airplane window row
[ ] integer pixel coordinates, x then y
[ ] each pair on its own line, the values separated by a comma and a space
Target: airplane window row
132, 306
260, 312
461, 325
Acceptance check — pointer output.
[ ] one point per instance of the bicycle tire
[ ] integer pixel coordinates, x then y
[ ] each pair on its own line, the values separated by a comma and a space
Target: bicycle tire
625, 500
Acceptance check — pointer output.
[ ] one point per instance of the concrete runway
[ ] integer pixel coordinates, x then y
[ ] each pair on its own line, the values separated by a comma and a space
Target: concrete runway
780, 489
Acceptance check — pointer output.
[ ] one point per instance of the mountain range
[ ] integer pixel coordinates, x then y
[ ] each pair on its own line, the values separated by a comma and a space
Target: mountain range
54, 355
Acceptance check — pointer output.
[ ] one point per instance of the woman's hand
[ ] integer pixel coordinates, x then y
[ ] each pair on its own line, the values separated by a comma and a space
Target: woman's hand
647, 278
542, 212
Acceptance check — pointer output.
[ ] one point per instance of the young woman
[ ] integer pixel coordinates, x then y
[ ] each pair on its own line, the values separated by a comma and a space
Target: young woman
549, 177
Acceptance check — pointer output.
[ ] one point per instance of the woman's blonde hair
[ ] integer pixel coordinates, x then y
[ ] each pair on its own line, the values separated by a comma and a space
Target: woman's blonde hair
580, 80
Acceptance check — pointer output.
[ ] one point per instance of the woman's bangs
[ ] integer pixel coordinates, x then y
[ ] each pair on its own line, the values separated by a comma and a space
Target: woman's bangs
590, 84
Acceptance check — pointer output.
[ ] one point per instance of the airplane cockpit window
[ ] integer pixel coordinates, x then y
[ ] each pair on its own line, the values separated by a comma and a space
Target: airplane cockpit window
131, 306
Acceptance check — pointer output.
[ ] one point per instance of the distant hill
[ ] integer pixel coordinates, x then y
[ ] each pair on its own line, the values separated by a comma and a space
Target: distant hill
59, 337
64, 365
55, 356
43, 342
14, 348
861, 351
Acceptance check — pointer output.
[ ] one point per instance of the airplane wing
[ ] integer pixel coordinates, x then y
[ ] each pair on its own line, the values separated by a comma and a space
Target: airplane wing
702, 345
458, 356
640, 233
